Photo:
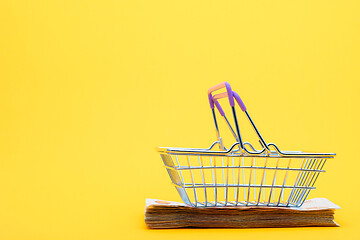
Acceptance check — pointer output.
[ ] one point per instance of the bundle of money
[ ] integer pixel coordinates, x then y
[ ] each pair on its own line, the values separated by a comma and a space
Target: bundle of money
165, 214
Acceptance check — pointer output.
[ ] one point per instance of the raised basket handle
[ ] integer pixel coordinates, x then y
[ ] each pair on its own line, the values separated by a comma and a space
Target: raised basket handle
218, 87
233, 94
225, 94
230, 95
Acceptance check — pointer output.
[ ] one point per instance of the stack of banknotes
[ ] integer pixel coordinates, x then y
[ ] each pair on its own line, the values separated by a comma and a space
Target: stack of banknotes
165, 214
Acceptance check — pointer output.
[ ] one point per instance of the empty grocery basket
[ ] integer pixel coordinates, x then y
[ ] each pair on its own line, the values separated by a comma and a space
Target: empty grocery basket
241, 175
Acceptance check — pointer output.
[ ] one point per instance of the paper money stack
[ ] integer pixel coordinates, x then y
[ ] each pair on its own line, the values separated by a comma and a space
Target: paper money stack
164, 214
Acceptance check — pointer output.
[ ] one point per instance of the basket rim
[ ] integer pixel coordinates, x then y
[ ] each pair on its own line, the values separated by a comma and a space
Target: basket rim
228, 153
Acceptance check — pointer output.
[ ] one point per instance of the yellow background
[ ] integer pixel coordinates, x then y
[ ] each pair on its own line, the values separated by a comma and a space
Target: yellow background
90, 88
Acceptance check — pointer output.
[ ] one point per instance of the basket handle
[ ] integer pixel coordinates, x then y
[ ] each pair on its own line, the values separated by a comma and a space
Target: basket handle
218, 87
223, 95
231, 95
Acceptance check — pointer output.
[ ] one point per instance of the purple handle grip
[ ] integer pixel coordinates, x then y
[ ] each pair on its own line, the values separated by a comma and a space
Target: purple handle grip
219, 108
222, 95
220, 86
239, 101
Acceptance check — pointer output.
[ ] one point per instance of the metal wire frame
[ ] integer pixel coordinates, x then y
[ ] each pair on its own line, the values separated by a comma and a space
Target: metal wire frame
242, 181
292, 173
291, 178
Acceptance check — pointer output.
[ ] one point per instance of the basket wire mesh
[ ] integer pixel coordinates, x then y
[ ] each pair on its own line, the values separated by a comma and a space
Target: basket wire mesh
209, 181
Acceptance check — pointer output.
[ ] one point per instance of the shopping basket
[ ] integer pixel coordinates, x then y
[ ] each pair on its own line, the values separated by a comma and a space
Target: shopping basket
241, 175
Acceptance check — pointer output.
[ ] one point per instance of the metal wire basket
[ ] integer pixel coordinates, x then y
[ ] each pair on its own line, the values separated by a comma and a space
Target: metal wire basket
241, 175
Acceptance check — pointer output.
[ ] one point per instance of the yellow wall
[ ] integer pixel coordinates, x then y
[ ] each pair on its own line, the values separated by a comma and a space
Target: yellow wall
89, 88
